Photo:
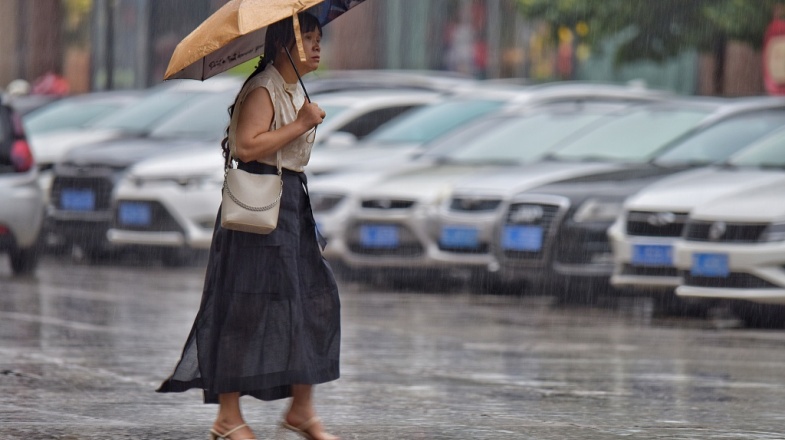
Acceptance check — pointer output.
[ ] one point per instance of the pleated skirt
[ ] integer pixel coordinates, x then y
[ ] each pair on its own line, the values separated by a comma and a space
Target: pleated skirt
270, 312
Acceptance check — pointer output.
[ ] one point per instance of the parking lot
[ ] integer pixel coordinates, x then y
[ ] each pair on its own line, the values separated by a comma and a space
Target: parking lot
83, 348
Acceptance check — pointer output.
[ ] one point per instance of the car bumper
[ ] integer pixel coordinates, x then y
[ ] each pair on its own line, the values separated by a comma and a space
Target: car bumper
755, 272
412, 246
173, 216
638, 276
463, 240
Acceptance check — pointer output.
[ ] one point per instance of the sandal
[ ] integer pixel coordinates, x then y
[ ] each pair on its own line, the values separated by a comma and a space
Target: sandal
302, 430
215, 435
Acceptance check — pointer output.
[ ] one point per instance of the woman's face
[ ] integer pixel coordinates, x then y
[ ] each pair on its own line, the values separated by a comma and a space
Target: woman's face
312, 46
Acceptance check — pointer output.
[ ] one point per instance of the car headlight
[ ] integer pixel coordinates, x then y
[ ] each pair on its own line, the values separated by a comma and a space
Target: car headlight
324, 202
597, 210
773, 232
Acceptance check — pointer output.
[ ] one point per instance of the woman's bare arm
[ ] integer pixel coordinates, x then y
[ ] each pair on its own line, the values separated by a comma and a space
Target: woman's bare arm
254, 139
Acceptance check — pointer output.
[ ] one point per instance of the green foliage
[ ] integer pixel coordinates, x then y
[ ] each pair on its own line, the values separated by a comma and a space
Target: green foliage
657, 29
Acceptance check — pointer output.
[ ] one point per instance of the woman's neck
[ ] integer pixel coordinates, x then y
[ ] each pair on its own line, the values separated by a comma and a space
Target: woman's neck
284, 67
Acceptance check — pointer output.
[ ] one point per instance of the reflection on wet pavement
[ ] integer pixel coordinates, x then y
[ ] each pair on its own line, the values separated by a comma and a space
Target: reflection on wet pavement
83, 348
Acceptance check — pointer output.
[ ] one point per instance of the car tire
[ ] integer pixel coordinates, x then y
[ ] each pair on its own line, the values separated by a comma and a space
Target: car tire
24, 261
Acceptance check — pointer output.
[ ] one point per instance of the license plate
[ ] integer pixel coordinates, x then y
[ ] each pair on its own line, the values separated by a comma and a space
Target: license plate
710, 265
379, 236
460, 237
77, 200
522, 238
135, 214
652, 255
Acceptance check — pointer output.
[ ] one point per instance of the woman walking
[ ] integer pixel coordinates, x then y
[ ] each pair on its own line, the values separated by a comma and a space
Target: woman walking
269, 321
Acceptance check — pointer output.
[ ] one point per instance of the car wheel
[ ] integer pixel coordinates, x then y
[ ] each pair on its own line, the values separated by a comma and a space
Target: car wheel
24, 261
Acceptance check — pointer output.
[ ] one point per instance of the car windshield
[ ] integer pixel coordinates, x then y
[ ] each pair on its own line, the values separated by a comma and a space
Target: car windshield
512, 139
429, 122
205, 118
141, 117
768, 153
67, 114
719, 141
634, 137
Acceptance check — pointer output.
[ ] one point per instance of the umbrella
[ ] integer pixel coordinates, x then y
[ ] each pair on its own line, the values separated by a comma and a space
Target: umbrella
235, 33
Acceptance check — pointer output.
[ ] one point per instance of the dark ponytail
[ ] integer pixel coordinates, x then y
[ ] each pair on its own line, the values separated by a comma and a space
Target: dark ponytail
279, 35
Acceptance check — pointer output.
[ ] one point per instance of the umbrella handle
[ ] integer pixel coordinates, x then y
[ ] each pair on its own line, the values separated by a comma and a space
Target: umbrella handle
299, 78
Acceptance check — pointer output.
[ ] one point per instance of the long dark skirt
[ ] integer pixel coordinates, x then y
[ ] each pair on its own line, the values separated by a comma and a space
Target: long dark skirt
270, 312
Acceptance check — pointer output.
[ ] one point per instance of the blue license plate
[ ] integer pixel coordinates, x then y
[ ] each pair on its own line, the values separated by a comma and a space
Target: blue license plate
379, 236
710, 265
77, 200
652, 255
460, 237
522, 238
135, 214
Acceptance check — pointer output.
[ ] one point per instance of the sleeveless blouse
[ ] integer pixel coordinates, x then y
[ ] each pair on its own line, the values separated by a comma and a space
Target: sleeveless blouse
287, 100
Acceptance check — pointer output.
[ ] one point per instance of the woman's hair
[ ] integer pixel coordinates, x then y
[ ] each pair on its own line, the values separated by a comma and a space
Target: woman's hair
279, 34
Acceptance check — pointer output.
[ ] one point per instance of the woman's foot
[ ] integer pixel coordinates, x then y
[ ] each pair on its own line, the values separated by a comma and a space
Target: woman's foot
223, 427
305, 420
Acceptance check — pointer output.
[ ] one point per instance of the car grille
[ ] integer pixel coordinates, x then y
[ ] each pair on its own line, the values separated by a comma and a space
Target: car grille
160, 220
387, 204
648, 271
482, 249
470, 204
101, 187
734, 280
532, 214
655, 224
407, 243
721, 232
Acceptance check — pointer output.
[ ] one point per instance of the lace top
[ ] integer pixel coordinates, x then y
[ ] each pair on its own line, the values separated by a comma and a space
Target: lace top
287, 101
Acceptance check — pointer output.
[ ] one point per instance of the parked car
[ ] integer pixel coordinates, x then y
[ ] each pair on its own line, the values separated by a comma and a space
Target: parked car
80, 206
576, 249
733, 245
652, 220
21, 200
172, 208
408, 137
135, 120
394, 224
353, 115
77, 112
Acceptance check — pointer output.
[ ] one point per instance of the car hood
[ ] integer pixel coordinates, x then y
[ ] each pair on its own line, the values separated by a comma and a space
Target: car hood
371, 157
433, 182
124, 152
755, 204
204, 159
51, 147
610, 184
509, 181
684, 191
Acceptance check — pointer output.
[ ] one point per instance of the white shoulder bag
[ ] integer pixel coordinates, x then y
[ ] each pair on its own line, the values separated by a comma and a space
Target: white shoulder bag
251, 202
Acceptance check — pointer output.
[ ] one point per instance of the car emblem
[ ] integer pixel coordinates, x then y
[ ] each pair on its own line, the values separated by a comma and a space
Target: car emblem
527, 214
384, 204
717, 230
661, 219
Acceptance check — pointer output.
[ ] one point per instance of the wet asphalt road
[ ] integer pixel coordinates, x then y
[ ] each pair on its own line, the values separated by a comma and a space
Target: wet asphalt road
82, 349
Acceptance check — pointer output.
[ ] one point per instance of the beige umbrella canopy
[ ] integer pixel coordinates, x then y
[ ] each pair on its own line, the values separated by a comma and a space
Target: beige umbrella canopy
235, 33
